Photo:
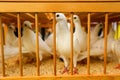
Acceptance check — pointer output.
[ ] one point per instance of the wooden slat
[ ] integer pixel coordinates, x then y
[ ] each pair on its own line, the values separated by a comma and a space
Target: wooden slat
37, 45
71, 44
59, 0
20, 44
88, 45
60, 7
105, 42
54, 42
2, 47
30, 15
75, 77
10, 14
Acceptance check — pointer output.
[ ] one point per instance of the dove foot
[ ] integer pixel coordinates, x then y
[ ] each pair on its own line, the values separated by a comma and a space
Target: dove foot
75, 70
118, 66
65, 70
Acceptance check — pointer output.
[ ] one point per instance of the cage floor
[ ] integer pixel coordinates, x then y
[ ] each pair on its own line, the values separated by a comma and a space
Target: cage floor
46, 68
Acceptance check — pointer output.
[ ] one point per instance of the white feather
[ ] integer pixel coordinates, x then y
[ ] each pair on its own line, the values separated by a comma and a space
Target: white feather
63, 38
10, 51
29, 40
11, 48
11, 39
94, 34
97, 49
80, 39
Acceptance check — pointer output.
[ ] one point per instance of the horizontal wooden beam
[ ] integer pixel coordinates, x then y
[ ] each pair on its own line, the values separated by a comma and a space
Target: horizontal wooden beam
59, 7
78, 77
58, 0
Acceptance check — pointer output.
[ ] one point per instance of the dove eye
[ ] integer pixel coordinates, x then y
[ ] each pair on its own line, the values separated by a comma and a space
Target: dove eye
10, 27
26, 25
57, 15
75, 17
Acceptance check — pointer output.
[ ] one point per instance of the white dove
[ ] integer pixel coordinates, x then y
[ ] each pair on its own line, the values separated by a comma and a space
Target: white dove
29, 40
97, 49
80, 40
63, 42
94, 33
116, 51
11, 39
11, 48
80, 34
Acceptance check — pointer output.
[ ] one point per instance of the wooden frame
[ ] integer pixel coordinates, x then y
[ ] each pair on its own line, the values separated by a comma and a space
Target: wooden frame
59, 0
82, 77
59, 7
62, 6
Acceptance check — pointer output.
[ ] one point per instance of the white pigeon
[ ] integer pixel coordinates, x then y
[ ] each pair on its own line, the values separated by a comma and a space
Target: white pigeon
11, 39
11, 47
79, 33
97, 49
116, 48
80, 40
94, 33
63, 39
116, 51
94, 36
29, 40
63, 42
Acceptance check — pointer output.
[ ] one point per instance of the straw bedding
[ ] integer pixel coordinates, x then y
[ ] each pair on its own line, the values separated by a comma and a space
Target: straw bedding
46, 66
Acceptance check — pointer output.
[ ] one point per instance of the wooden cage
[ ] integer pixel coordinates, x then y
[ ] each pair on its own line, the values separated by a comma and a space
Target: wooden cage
14, 8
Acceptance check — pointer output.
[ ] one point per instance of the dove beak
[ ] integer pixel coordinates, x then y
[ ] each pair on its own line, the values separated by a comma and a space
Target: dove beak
29, 27
14, 29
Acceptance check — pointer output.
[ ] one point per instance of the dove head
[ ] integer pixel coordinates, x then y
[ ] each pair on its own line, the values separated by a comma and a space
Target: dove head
27, 24
60, 17
76, 18
11, 26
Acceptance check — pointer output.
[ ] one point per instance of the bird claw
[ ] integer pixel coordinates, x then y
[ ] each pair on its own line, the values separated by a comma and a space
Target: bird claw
75, 71
65, 70
118, 66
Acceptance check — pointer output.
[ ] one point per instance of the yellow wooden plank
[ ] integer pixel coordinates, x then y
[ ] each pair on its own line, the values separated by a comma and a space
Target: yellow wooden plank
37, 45
71, 44
54, 44
20, 45
60, 7
1, 47
109, 77
105, 42
88, 44
58, 0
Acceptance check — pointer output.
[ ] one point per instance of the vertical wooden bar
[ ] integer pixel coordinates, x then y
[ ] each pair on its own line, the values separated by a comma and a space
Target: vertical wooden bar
105, 42
54, 43
2, 47
117, 30
3, 36
37, 45
20, 44
88, 45
71, 42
